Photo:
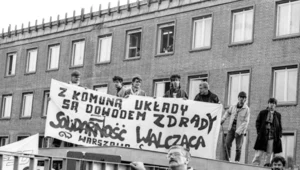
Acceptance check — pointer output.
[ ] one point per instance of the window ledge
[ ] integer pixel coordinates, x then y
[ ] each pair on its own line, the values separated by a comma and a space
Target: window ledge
25, 117
103, 63
240, 43
8, 76
286, 104
133, 58
50, 70
290, 36
29, 73
5, 118
74, 67
164, 54
200, 49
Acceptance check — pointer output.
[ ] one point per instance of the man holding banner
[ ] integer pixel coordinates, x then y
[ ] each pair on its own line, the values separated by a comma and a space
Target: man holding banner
178, 158
175, 90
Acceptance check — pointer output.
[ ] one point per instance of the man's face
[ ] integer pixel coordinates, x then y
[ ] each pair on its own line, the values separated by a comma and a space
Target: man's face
136, 83
175, 82
177, 157
118, 84
75, 79
242, 100
271, 106
277, 165
203, 90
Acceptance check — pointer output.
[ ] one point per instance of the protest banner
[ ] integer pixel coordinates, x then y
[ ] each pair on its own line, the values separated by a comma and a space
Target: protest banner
90, 118
28, 145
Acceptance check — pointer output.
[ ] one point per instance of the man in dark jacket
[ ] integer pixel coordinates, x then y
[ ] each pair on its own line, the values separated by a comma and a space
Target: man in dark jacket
205, 95
118, 81
175, 90
269, 132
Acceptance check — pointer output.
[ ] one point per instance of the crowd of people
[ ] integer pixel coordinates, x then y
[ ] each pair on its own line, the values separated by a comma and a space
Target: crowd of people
268, 122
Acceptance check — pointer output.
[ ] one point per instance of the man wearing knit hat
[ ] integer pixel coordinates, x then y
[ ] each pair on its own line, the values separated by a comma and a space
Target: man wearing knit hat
239, 119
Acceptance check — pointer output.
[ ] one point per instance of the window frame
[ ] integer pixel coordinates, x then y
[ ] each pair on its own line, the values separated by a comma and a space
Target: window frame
292, 66
22, 135
101, 85
22, 105
4, 136
127, 42
275, 37
202, 76
244, 42
98, 50
209, 15
43, 115
158, 38
7, 67
294, 133
26, 61
2, 106
72, 53
48, 57
242, 71
165, 80
47, 140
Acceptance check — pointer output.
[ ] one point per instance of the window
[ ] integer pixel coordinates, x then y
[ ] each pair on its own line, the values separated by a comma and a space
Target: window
238, 82
285, 84
166, 38
45, 103
288, 148
194, 82
3, 140
133, 42
11, 64
104, 49
21, 138
53, 57
78, 53
161, 87
44, 142
27, 104
242, 25
6, 106
31, 61
101, 88
202, 32
288, 18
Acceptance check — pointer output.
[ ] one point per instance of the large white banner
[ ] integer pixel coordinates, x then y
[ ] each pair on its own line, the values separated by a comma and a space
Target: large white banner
28, 145
90, 118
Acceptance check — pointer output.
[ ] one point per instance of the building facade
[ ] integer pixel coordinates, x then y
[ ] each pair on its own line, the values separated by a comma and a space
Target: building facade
235, 45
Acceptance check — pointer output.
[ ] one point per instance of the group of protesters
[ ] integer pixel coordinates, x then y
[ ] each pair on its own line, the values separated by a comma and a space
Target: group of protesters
268, 123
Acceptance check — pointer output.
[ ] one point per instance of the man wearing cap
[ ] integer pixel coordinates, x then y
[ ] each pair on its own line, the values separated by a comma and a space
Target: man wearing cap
269, 132
239, 119
205, 95
175, 90
135, 87
75, 78
118, 81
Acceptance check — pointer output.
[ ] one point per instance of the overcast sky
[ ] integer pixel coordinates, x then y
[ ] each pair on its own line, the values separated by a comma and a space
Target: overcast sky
16, 12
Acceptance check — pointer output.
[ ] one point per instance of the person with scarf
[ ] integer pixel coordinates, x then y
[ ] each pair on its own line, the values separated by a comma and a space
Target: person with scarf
175, 89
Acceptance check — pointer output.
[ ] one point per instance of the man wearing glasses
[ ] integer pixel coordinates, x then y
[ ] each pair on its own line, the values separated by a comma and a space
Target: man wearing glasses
178, 157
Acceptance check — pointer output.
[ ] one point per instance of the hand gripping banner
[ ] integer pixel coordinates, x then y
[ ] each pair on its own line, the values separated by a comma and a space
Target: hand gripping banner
90, 118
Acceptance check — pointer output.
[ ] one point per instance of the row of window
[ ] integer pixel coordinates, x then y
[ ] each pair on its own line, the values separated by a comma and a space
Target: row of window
287, 24
284, 90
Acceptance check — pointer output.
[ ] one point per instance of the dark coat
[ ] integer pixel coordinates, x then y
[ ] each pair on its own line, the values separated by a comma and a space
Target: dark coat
262, 140
210, 97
